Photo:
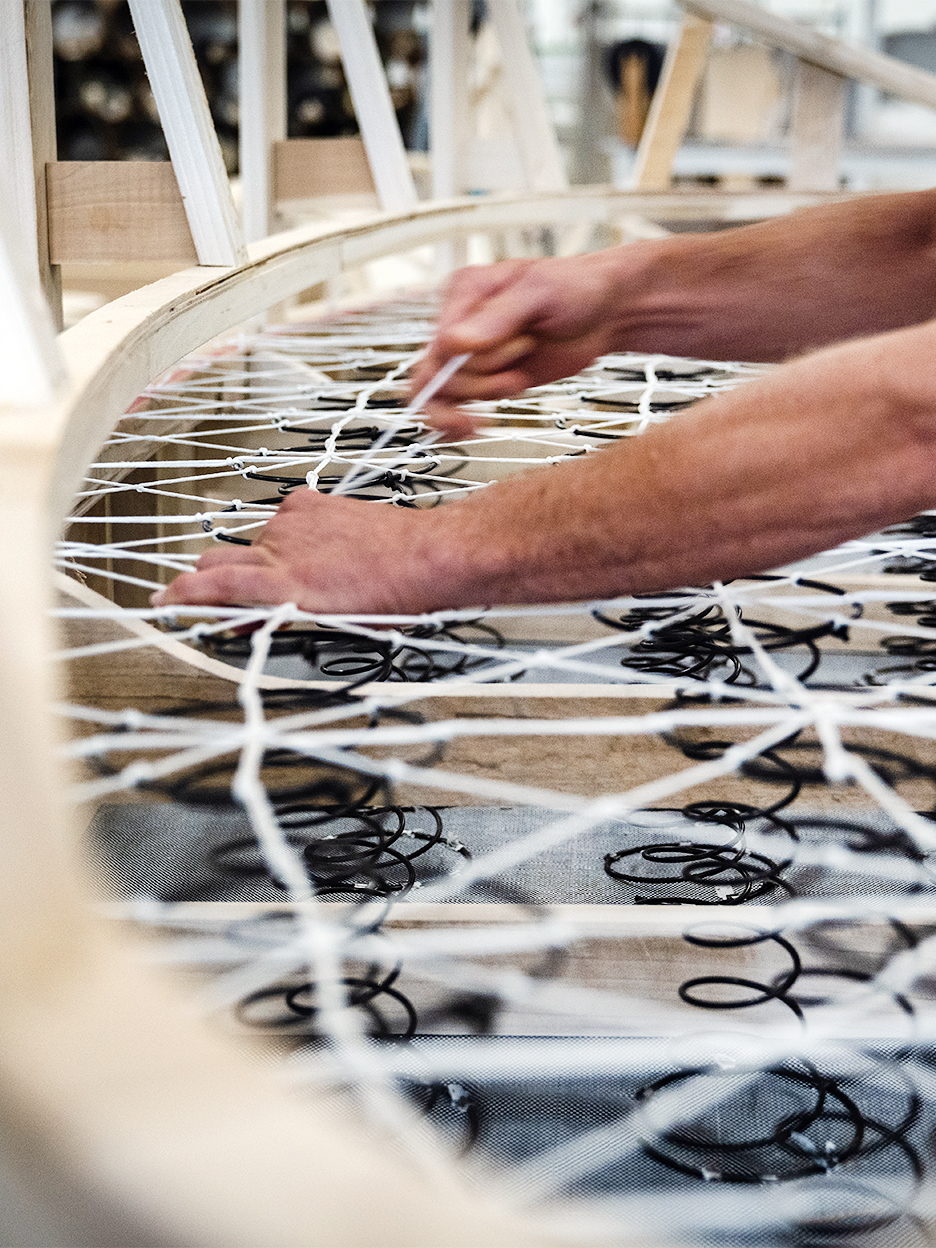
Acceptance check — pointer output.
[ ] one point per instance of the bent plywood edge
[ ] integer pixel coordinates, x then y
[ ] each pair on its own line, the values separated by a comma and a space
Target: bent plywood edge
150, 1129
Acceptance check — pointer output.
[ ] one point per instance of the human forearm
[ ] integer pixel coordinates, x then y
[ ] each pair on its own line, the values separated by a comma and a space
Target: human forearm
781, 287
830, 447
761, 292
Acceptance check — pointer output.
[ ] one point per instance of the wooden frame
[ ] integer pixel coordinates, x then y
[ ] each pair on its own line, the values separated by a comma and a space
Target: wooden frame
154, 1133
371, 95
261, 41
189, 130
142, 1128
825, 66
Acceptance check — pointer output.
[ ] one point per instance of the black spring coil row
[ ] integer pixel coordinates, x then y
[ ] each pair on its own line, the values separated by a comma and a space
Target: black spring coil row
358, 660
367, 862
831, 1127
819, 1123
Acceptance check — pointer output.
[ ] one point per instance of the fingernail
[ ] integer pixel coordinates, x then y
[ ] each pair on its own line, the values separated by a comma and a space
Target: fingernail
158, 598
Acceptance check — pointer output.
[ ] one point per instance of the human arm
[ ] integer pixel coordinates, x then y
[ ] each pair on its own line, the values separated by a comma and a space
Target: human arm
761, 292
831, 446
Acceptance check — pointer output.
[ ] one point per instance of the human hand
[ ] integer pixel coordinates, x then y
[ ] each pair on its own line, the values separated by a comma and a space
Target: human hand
324, 554
524, 322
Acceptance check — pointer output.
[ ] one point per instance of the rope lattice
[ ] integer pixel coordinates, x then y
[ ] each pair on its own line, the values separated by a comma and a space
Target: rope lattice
766, 742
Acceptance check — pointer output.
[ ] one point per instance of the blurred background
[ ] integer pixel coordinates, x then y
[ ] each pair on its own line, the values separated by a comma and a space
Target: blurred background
599, 61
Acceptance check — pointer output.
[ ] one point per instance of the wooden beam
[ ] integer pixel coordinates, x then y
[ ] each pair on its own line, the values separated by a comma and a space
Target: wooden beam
44, 147
672, 105
308, 168
372, 105
539, 150
261, 41
817, 132
32, 368
189, 130
16, 150
105, 212
883, 72
449, 52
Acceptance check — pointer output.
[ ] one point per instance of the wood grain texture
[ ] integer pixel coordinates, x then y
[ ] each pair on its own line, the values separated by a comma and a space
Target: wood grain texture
309, 168
106, 212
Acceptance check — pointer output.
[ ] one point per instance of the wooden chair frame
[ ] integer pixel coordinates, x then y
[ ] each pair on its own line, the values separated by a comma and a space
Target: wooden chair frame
148, 1126
113, 1089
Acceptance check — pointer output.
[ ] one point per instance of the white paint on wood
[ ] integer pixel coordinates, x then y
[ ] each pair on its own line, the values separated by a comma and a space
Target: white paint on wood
261, 63
372, 105
38, 15
884, 72
449, 53
32, 368
190, 134
539, 149
672, 105
817, 131
16, 153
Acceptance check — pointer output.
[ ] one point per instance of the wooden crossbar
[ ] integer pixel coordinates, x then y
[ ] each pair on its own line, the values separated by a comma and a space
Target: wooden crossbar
825, 65
884, 72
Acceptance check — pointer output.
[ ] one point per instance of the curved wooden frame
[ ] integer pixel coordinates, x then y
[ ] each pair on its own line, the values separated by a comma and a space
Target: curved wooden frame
113, 1093
124, 1119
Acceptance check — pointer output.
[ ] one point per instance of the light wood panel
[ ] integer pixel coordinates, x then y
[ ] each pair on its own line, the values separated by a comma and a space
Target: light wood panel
309, 168
817, 132
107, 212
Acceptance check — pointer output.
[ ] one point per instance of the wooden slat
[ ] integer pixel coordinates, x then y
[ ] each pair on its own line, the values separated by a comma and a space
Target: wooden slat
105, 212
308, 168
372, 106
448, 128
32, 367
818, 121
42, 115
883, 72
16, 152
262, 93
189, 130
539, 151
672, 105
